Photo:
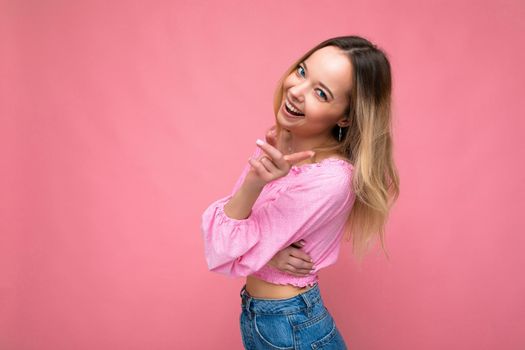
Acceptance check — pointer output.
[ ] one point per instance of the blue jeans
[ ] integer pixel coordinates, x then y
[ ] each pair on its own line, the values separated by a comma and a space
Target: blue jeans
298, 323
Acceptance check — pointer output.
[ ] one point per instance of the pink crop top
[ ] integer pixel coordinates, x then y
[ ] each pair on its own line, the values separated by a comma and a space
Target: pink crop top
312, 202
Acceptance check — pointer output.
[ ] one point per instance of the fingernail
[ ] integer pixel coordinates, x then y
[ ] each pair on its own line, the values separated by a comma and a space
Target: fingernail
312, 154
259, 142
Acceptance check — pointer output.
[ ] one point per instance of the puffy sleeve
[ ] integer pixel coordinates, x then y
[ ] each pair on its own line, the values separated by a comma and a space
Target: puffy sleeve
241, 247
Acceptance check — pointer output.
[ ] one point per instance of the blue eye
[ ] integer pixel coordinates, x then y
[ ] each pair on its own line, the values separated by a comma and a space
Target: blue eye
300, 67
324, 97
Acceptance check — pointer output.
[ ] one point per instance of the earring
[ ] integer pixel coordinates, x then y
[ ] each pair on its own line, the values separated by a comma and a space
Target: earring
340, 133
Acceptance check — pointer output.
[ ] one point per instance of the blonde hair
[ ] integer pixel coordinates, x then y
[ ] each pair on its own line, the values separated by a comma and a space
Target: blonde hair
367, 141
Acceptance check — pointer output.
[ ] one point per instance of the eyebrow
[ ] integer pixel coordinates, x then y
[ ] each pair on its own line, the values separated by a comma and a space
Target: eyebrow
323, 85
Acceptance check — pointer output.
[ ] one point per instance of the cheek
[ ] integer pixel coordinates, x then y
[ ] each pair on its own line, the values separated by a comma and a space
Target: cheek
319, 113
289, 81
314, 108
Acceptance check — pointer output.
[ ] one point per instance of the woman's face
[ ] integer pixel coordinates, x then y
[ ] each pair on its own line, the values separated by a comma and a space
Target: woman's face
319, 89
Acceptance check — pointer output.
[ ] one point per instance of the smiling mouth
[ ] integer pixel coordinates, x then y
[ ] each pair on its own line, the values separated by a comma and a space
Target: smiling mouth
293, 111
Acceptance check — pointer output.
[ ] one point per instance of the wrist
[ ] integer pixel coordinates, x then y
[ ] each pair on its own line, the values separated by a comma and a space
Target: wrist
253, 185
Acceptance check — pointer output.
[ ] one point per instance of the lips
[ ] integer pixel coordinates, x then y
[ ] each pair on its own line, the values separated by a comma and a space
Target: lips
292, 109
289, 115
294, 106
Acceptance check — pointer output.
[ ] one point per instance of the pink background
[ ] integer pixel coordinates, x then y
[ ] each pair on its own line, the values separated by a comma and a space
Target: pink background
122, 120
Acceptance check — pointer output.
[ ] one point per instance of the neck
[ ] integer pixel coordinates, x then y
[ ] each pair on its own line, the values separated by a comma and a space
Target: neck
299, 143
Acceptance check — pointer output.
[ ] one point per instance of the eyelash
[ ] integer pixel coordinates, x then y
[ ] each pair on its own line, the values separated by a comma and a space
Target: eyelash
325, 95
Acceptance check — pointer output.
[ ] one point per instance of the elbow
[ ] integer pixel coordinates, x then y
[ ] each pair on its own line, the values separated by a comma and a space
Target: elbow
235, 267
244, 266
231, 268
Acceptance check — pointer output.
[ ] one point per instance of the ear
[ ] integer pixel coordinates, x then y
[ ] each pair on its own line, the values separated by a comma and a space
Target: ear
343, 122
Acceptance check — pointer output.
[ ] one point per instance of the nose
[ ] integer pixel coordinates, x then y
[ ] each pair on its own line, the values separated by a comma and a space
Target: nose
297, 92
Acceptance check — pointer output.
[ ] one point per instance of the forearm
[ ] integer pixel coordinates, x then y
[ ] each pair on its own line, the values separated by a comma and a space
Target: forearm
240, 205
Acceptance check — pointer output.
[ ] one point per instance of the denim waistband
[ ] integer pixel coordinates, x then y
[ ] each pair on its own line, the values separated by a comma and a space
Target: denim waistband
295, 304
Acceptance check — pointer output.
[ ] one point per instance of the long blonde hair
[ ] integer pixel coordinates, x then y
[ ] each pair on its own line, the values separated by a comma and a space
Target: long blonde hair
366, 142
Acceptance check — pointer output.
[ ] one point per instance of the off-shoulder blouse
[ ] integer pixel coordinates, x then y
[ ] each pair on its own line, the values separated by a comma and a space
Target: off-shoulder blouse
312, 202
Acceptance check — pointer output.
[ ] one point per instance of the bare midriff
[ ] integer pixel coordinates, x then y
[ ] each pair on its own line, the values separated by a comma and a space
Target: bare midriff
259, 288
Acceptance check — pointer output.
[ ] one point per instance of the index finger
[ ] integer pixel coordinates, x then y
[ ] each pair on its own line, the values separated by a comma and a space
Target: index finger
299, 156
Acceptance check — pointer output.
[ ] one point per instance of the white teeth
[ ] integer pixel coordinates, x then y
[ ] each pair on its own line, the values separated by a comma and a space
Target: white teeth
290, 107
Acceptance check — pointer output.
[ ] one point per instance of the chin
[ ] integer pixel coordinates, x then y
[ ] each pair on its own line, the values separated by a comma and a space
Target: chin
285, 124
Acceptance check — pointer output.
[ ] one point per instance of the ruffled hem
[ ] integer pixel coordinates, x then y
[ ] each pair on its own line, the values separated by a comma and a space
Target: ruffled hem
305, 167
271, 275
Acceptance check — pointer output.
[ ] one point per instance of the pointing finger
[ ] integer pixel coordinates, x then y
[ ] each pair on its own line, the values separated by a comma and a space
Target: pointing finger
299, 156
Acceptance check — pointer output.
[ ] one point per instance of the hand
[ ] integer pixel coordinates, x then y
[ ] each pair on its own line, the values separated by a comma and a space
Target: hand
282, 141
271, 136
273, 164
292, 260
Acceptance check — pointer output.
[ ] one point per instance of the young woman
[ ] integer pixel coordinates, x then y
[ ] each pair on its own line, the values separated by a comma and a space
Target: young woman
326, 169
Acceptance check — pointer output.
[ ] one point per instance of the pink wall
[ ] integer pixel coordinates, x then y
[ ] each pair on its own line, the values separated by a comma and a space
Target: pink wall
121, 121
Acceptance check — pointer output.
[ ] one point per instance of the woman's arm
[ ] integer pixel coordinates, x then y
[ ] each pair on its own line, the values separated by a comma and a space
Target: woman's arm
239, 247
240, 205
266, 168
292, 260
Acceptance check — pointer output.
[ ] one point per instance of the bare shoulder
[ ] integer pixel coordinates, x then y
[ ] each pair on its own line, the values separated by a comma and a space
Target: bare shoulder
338, 156
333, 156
